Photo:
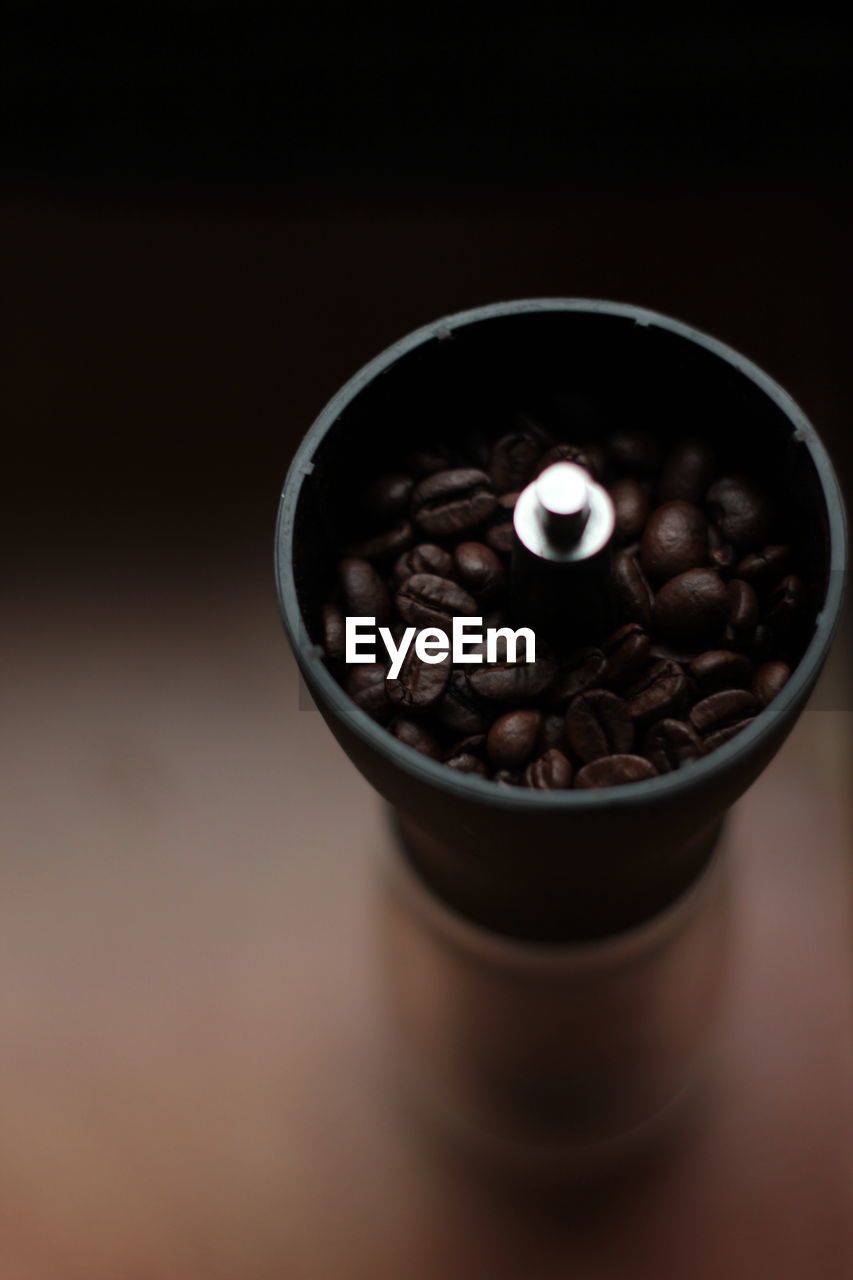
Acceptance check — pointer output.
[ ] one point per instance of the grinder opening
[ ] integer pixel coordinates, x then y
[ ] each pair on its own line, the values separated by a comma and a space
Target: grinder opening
587, 372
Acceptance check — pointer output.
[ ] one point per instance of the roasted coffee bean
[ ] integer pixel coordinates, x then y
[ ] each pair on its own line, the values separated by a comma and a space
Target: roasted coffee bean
387, 497
507, 777
743, 605
614, 771
500, 538
688, 471
721, 736
566, 453
769, 679
384, 546
419, 684
426, 557
551, 772
467, 763
459, 709
581, 670
368, 688
553, 733
334, 636
675, 539
669, 744
631, 506
626, 652
634, 451
479, 570
598, 724
661, 692
515, 456
661, 652
691, 608
514, 459
449, 503
513, 737
719, 710
632, 595
429, 601
763, 569
786, 603
740, 511
513, 682
365, 594
718, 669
416, 736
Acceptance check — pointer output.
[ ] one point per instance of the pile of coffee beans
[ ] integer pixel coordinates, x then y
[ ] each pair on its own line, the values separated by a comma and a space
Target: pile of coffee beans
708, 611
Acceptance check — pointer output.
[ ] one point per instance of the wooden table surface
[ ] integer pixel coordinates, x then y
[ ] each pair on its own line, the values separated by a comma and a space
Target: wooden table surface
190, 1015
191, 1080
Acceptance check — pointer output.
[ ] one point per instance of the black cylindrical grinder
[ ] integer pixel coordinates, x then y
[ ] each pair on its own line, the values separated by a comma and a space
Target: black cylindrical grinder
558, 865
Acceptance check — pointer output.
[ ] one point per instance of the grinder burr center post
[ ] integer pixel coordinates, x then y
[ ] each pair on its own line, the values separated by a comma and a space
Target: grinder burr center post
563, 524
563, 503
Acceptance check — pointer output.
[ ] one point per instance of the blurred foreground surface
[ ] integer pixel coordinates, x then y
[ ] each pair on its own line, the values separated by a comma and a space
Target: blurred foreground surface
188, 1058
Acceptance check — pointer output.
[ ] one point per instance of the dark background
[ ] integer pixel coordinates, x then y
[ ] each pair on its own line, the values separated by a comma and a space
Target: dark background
214, 213
211, 215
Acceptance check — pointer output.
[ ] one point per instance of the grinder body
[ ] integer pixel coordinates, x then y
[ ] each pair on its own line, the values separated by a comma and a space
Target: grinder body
553, 954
